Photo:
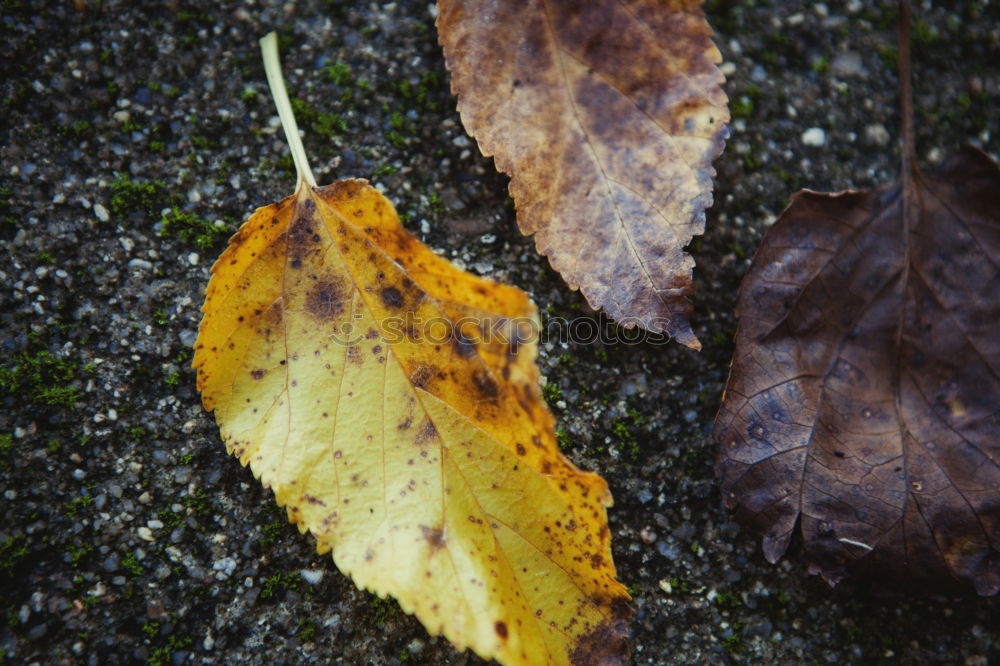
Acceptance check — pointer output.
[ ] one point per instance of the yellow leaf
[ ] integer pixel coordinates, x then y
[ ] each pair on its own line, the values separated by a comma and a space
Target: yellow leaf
391, 403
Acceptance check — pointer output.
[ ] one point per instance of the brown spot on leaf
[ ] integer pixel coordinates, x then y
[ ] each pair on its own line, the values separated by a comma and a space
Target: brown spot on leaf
427, 433
501, 628
327, 299
392, 297
422, 374
434, 536
464, 346
485, 384
258, 374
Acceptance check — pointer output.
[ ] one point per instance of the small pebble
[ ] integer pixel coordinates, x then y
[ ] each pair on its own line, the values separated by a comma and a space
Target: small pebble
814, 136
877, 134
101, 212
312, 576
847, 64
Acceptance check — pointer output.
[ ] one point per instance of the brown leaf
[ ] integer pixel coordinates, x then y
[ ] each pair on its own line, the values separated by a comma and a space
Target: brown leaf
607, 115
863, 404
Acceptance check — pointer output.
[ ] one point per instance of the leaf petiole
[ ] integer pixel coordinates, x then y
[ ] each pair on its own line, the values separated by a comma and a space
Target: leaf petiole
276, 82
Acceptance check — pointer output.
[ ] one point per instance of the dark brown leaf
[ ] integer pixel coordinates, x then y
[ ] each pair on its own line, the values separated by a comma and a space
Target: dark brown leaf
607, 115
863, 404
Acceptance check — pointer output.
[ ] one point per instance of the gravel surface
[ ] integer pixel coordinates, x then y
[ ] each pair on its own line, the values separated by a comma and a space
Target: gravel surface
137, 136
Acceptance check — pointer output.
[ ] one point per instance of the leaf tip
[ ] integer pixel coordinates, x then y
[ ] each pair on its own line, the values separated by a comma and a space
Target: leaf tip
607, 643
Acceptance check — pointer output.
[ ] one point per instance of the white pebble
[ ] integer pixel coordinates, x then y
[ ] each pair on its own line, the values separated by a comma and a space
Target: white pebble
225, 566
193, 258
145, 533
140, 264
814, 136
312, 576
101, 212
877, 134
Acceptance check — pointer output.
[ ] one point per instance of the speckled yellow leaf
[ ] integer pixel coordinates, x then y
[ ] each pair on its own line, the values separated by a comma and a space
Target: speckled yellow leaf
391, 403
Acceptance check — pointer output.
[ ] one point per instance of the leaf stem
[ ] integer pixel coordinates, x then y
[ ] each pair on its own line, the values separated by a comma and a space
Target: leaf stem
272, 67
909, 156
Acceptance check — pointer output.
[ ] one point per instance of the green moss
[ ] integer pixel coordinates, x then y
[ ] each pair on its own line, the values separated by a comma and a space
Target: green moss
132, 565
890, 56
74, 507
923, 34
160, 657
172, 379
12, 551
384, 610
552, 393
151, 629
180, 643
279, 583
78, 554
339, 73
396, 139
307, 629
272, 531
42, 378
329, 124
728, 600
199, 503
192, 229
741, 107
324, 124
171, 519
128, 196
203, 142
397, 121
564, 439
750, 161
6, 446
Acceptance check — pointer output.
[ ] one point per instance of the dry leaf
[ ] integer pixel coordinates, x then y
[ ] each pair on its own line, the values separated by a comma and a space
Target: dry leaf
349, 367
863, 404
607, 115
